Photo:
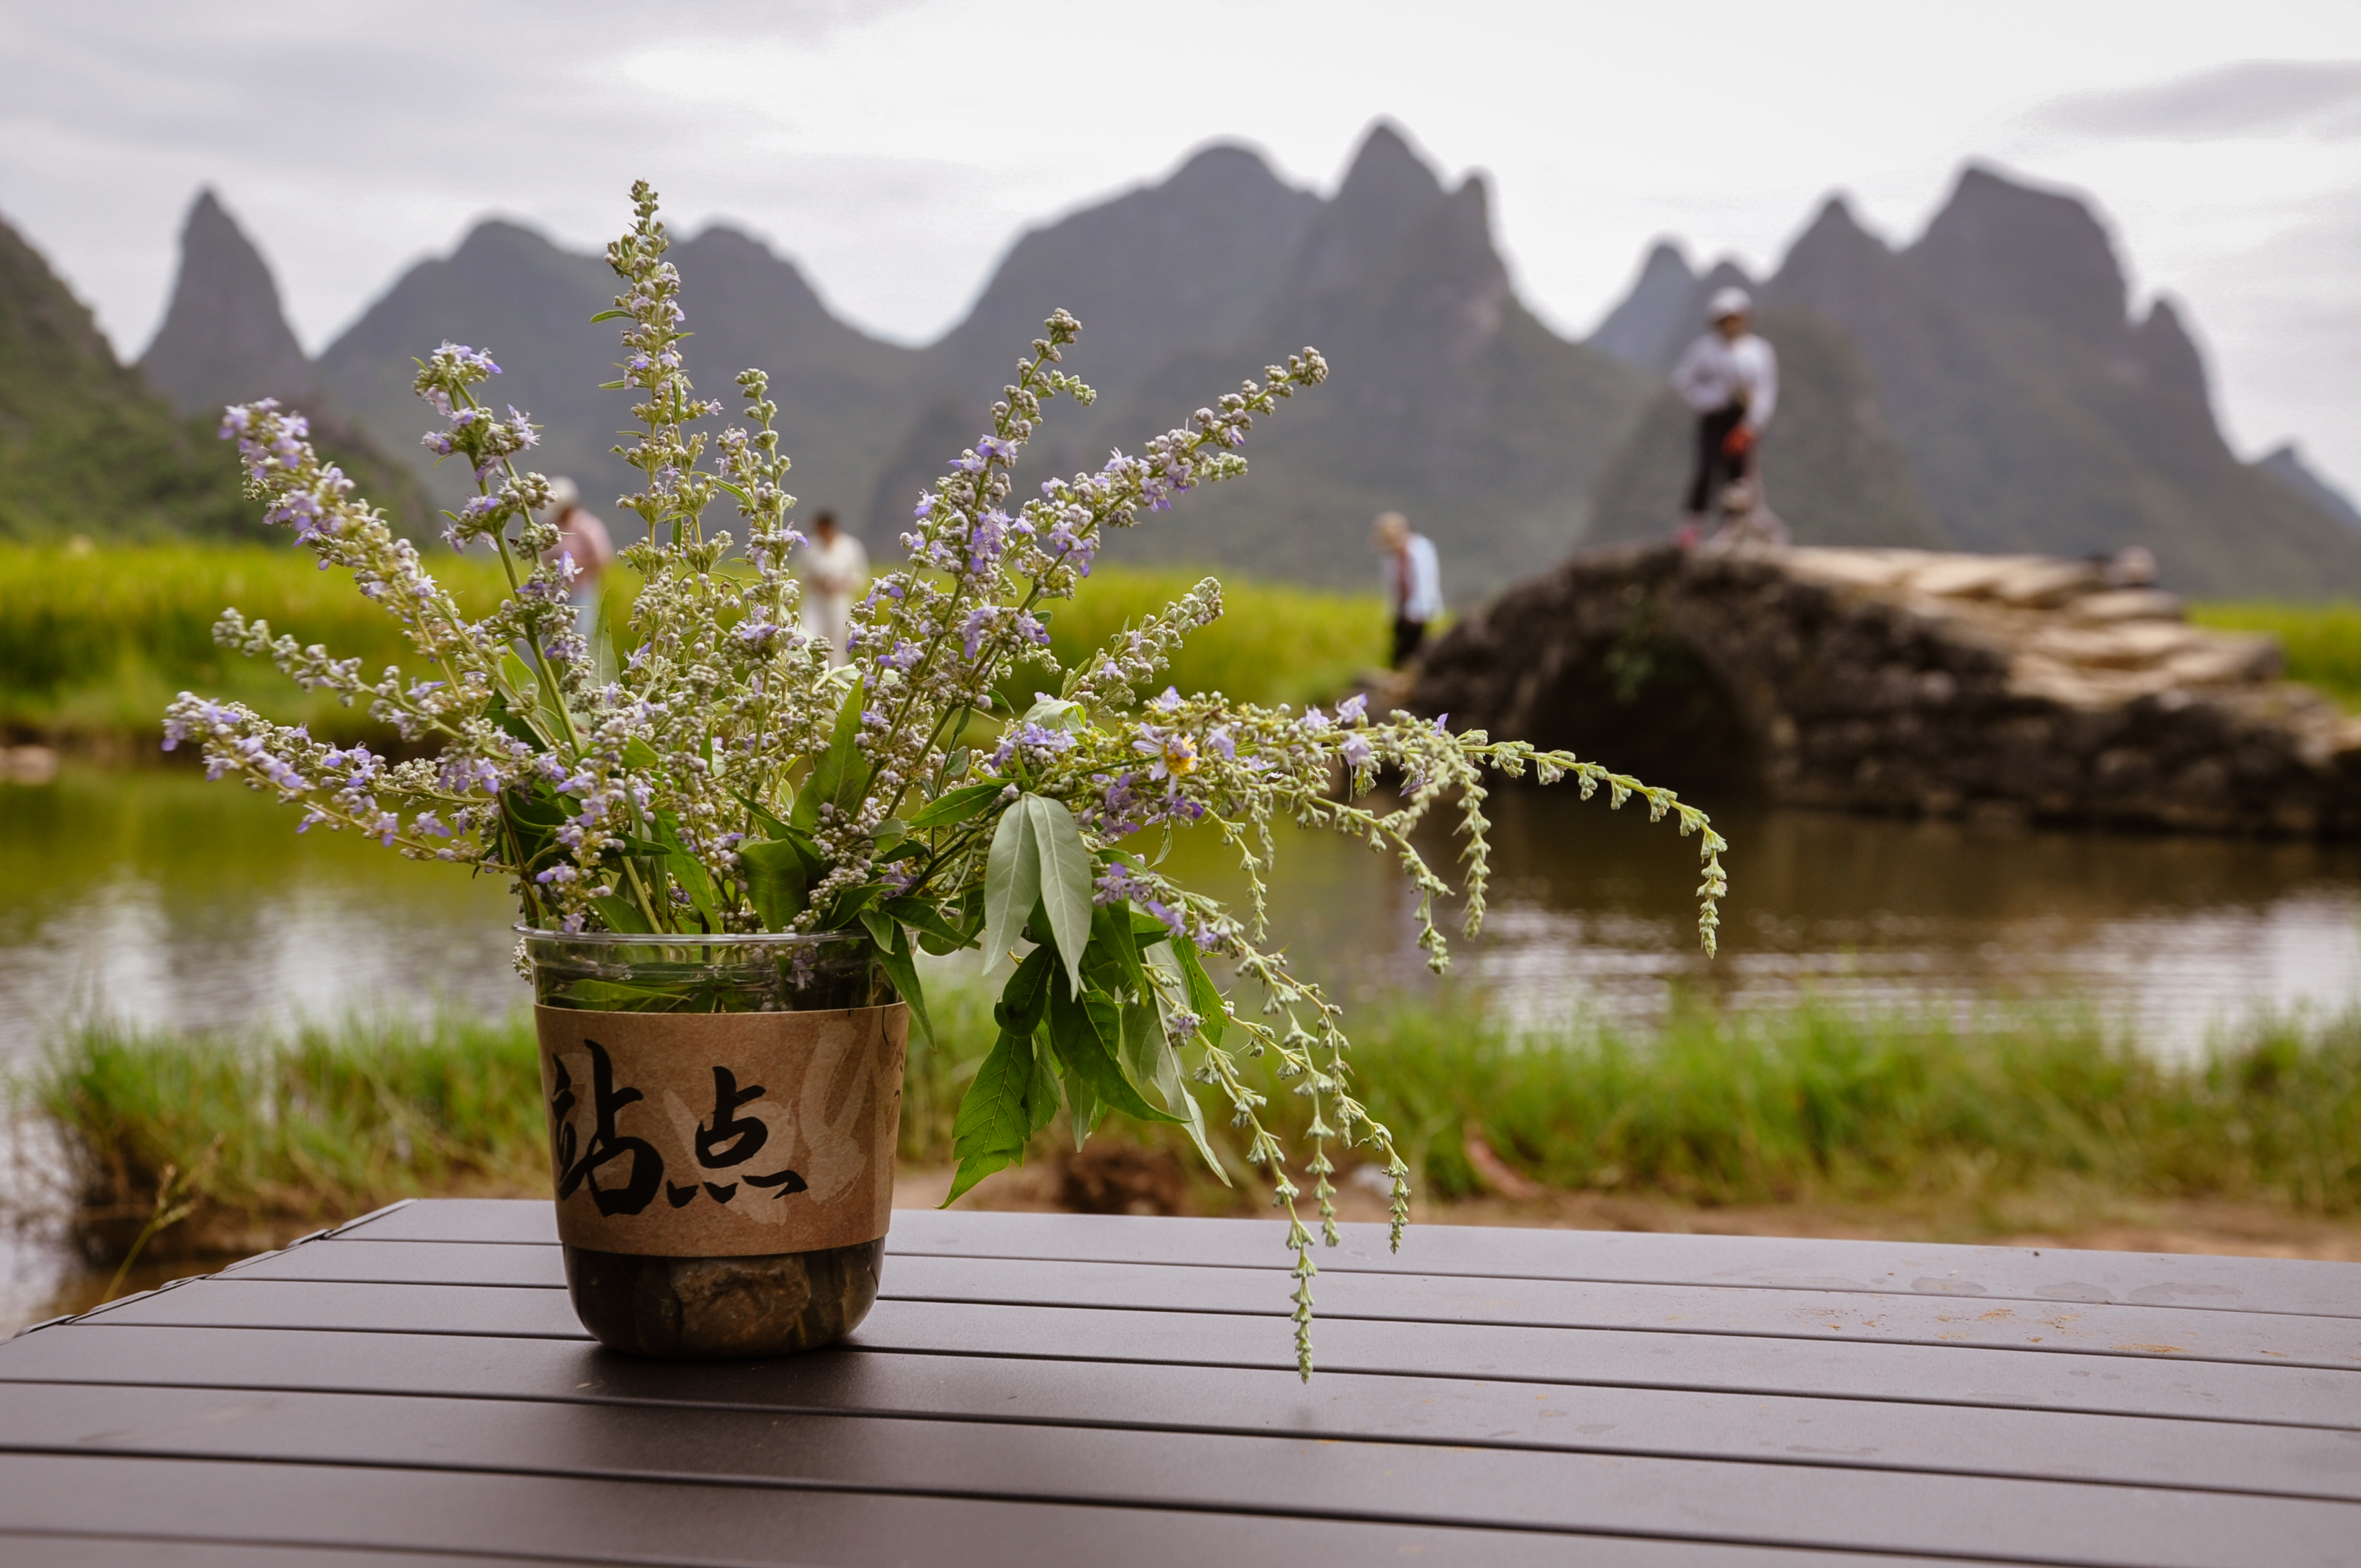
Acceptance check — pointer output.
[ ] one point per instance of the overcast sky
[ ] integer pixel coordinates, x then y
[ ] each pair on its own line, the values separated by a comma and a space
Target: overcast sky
896, 147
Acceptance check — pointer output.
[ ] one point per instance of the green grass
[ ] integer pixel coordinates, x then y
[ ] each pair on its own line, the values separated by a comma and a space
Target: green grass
1812, 1105
94, 645
1273, 644
1712, 1109
326, 1123
2322, 641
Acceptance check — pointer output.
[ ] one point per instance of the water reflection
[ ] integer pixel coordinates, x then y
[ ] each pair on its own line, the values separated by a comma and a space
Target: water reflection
163, 900
159, 899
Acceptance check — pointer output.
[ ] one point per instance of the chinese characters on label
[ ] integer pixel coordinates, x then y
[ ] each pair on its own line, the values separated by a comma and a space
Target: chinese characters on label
726, 1134
723, 1141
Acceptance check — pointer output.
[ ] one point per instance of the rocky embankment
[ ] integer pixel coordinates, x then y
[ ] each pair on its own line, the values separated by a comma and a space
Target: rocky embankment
2015, 687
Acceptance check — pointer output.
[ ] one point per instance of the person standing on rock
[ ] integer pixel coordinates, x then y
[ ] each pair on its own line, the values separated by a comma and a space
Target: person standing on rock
835, 565
582, 539
1414, 583
1731, 378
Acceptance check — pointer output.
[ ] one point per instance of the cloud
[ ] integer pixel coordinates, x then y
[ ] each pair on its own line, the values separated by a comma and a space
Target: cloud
2253, 98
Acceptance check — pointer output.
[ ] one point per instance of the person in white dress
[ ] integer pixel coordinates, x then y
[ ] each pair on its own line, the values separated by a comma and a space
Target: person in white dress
1414, 583
835, 567
1730, 377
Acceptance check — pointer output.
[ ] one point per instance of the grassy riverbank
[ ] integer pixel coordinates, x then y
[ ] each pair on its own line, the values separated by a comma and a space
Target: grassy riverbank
92, 645
1711, 1109
2323, 641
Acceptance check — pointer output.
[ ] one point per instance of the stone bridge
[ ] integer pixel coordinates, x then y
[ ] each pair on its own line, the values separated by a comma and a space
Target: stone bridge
1999, 687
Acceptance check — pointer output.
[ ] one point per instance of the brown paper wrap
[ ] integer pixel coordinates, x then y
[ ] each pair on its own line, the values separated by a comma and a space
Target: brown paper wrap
722, 1134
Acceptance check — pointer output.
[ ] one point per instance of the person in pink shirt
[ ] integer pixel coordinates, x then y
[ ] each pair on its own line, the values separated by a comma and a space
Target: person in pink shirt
583, 538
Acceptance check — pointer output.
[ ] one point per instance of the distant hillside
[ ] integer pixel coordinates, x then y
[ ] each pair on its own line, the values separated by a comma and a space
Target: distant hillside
1447, 401
1987, 389
2286, 466
1984, 388
85, 448
224, 338
530, 302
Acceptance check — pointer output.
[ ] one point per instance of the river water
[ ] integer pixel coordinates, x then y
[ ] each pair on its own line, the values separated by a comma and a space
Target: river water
155, 898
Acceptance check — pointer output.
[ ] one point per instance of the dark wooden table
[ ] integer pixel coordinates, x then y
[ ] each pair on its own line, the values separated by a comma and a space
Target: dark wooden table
1053, 1390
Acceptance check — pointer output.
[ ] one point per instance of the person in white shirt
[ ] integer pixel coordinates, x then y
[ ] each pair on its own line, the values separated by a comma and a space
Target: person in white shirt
1414, 583
835, 565
583, 538
1731, 378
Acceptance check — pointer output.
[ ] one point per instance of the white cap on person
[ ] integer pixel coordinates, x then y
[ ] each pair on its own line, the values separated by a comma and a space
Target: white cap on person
1727, 302
563, 497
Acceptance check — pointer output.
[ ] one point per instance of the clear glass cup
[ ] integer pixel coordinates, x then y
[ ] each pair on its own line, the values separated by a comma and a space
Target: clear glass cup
714, 1308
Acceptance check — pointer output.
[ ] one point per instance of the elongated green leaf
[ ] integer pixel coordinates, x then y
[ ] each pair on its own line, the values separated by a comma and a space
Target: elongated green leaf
1204, 996
1086, 1031
1012, 883
839, 775
1041, 1093
955, 805
1148, 1057
1110, 938
1065, 878
927, 918
894, 953
620, 913
1085, 1109
1025, 998
766, 820
777, 877
689, 871
994, 1118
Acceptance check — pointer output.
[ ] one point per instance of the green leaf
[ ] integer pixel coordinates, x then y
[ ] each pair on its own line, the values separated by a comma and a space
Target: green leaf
1025, 998
763, 820
1147, 930
994, 1117
689, 871
1065, 877
1012, 883
1205, 997
1111, 937
839, 775
926, 919
1085, 1109
620, 913
615, 996
1148, 1056
609, 315
777, 880
520, 680
894, 953
955, 805
1086, 1031
1054, 713
1041, 1094
638, 754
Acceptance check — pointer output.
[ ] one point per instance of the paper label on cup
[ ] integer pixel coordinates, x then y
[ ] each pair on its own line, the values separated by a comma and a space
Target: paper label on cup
722, 1134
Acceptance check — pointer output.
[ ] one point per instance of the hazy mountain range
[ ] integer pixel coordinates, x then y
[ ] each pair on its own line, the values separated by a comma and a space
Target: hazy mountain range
1984, 388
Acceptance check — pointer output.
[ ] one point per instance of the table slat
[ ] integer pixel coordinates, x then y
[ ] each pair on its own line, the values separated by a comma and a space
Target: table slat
1851, 1433
2042, 1274
587, 1520
1400, 1483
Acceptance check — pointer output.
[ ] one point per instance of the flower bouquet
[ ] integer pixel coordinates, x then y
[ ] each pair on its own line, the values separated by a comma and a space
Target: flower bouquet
729, 849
